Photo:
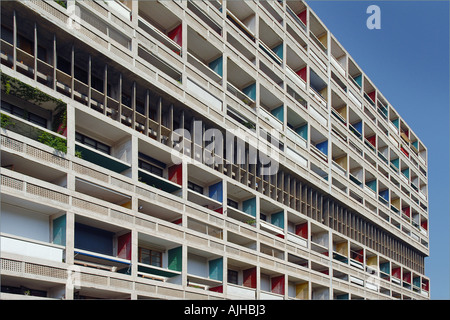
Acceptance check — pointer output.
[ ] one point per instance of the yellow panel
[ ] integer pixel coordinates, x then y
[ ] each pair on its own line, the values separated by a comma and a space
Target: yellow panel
302, 291
372, 261
342, 248
126, 205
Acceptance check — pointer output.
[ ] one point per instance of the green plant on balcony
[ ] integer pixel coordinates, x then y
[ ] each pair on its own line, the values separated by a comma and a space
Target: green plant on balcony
62, 3
6, 121
55, 142
26, 92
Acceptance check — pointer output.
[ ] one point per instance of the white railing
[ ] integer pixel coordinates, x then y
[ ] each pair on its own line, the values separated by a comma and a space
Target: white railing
31, 248
294, 136
338, 66
296, 78
241, 292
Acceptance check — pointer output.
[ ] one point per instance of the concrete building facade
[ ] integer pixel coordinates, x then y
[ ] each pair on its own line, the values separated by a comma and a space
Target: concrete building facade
201, 150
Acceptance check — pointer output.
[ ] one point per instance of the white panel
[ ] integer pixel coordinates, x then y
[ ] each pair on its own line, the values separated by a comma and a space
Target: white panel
296, 157
203, 95
321, 119
24, 223
30, 249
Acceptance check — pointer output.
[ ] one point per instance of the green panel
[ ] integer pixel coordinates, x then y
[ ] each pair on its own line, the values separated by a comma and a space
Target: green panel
249, 206
99, 159
216, 269
277, 219
59, 230
158, 272
156, 182
175, 258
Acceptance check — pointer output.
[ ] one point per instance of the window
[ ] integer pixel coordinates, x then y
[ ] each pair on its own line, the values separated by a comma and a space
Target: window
232, 203
150, 168
232, 276
92, 143
151, 257
17, 111
195, 187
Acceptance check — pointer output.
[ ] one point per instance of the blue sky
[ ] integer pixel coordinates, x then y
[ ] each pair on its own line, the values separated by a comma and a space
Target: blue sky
408, 61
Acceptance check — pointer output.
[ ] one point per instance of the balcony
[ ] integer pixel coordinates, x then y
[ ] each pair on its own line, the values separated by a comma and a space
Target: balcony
159, 259
159, 22
204, 270
241, 280
243, 18
102, 246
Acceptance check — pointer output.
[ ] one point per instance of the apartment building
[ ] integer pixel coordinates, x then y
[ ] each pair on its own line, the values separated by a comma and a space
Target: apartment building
201, 150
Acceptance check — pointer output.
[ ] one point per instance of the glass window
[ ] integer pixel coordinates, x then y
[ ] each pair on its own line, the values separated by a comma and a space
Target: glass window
150, 257
232, 276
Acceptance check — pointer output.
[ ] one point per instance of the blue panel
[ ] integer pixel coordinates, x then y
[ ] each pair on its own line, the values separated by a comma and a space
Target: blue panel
249, 206
358, 126
216, 269
395, 122
372, 185
93, 239
358, 80
385, 267
277, 219
250, 91
385, 194
303, 131
406, 172
217, 66
323, 146
216, 191
59, 230
395, 162
278, 113
278, 50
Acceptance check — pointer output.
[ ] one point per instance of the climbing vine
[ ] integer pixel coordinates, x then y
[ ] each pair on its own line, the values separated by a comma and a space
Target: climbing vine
19, 89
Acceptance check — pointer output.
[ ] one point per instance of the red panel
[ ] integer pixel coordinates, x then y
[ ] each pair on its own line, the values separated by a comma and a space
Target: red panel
396, 273
407, 211
302, 16
278, 284
175, 174
302, 230
404, 151
425, 285
249, 276
178, 221
217, 289
407, 277
424, 224
372, 140
62, 129
176, 35
219, 210
302, 73
372, 95
124, 246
